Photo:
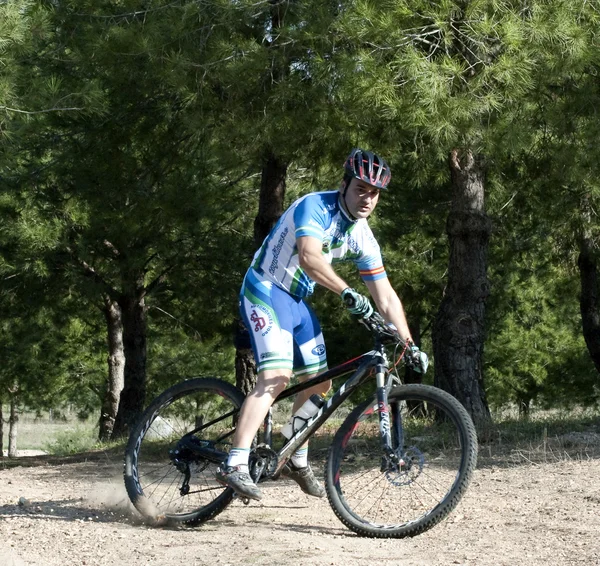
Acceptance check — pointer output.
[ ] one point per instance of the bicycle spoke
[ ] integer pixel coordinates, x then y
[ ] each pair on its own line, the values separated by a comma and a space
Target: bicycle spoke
414, 496
165, 451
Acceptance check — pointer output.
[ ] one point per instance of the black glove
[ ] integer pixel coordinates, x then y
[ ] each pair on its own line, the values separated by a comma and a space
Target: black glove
356, 303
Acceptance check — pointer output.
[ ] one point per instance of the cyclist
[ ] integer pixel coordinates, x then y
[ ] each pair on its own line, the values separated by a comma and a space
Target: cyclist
317, 230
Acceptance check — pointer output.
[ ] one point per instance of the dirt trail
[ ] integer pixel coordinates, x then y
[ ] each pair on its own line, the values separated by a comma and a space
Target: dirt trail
76, 513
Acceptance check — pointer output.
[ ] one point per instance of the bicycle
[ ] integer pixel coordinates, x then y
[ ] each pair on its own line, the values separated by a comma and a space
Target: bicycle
397, 466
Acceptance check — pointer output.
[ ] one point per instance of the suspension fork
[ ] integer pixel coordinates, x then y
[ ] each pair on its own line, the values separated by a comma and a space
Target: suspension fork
397, 430
390, 432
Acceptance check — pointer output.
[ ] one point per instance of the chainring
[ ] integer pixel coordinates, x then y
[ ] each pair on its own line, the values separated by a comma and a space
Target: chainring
262, 463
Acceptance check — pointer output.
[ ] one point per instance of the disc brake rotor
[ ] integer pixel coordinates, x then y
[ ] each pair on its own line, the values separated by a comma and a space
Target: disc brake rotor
409, 469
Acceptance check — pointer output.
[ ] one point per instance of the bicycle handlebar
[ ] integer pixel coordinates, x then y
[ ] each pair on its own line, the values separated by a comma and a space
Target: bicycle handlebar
382, 331
386, 334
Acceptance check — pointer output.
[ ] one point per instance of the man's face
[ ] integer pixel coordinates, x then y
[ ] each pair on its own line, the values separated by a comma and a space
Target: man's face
361, 198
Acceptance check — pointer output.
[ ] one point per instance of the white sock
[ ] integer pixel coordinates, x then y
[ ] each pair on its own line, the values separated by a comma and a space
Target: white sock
300, 458
238, 457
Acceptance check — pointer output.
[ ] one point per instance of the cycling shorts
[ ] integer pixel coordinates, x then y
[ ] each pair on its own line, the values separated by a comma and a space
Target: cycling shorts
284, 331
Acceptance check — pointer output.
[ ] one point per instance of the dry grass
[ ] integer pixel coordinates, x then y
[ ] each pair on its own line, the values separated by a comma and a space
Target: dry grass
547, 436
66, 434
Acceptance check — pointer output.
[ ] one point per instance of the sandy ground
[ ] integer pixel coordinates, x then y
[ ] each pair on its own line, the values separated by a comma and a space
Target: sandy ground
21, 453
77, 513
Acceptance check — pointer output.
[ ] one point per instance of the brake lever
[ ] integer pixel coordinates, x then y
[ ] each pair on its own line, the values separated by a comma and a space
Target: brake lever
376, 324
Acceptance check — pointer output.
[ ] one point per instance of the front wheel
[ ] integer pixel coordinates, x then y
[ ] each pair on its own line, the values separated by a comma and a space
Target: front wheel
174, 450
409, 491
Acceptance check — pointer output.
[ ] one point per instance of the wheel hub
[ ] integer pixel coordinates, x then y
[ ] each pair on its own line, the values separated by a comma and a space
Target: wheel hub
407, 469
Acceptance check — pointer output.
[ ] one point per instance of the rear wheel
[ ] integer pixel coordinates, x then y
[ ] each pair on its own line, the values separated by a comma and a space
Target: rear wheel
174, 450
410, 491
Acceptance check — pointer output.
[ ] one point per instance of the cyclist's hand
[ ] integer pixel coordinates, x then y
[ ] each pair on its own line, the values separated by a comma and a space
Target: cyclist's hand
417, 359
356, 303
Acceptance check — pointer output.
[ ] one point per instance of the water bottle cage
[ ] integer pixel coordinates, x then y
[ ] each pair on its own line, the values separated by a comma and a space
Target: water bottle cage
296, 429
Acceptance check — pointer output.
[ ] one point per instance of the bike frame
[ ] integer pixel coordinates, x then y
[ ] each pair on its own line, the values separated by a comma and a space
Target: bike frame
363, 367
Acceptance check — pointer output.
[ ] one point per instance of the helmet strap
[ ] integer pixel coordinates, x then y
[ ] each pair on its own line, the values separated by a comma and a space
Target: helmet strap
347, 180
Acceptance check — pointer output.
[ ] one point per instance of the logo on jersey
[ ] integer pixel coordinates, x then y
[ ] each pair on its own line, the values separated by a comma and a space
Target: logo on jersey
261, 319
318, 350
277, 250
266, 355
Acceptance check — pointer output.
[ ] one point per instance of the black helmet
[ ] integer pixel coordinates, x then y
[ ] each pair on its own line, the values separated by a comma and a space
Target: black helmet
369, 167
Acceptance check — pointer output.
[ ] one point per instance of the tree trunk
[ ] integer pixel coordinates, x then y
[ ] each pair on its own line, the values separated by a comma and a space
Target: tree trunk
410, 375
245, 366
272, 194
589, 300
524, 409
270, 204
270, 208
133, 396
116, 369
1, 431
13, 421
458, 332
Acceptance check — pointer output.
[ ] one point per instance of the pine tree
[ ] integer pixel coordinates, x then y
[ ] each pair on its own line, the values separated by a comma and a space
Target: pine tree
568, 114
274, 97
129, 184
453, 81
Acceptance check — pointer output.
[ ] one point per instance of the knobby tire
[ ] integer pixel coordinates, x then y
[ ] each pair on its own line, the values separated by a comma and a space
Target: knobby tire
152, 477
439, 454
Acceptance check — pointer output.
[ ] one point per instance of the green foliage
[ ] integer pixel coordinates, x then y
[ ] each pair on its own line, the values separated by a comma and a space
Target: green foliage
138, 164
175, 355
49, 356
121, 195
535, 350
20, 25
72, 441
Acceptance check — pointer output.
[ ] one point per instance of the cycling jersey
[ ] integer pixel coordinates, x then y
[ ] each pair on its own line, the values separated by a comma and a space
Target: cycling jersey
319, 215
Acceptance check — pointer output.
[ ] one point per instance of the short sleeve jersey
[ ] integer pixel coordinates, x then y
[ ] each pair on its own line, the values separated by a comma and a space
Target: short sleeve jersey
321, 216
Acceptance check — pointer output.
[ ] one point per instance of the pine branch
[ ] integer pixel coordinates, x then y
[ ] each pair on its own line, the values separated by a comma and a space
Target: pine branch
157, 281
112, 248
32, 112
96, 390
196, 332
89, 271
128, 14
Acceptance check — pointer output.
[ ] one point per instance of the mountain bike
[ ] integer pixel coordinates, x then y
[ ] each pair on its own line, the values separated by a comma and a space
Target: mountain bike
398, 464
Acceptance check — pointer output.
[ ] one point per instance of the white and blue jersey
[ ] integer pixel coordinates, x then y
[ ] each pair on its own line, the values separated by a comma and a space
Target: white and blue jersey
321, 216
284, 331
